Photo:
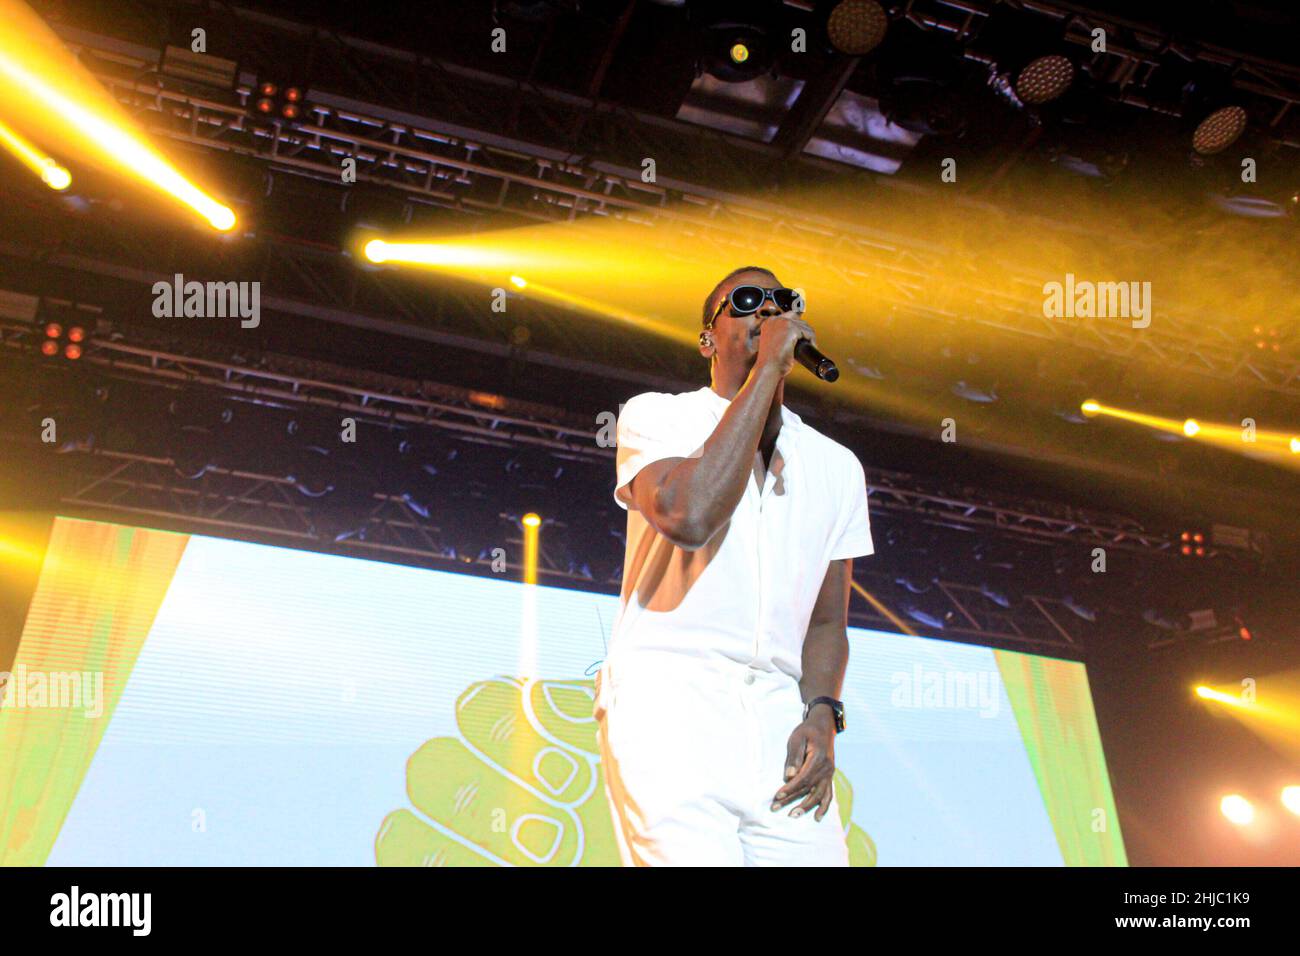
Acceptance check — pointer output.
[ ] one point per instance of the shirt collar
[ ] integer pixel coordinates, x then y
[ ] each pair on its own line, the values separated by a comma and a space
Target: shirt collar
788, 418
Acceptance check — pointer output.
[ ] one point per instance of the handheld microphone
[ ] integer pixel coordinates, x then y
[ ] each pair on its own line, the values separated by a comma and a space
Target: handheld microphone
811, 359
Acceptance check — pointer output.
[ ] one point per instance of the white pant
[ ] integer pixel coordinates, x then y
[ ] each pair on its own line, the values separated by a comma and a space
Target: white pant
693, 753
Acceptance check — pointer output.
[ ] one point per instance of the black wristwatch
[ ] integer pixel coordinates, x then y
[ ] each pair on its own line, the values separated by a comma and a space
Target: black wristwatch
836, 707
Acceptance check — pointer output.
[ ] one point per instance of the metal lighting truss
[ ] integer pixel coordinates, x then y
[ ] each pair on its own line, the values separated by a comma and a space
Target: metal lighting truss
387, 399
476, 171
117, 486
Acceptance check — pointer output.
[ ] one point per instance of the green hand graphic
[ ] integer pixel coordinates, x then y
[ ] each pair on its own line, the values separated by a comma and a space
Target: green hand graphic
521, 785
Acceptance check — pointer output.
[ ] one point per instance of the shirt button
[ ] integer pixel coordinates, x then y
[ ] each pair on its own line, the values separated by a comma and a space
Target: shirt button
749, 677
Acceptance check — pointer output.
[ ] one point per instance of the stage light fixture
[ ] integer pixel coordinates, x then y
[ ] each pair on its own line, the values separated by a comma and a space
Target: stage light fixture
72, 352
76, 334
1191, 427
856, 27
49, 347
279, 100
736, 52
1219, 130
1044, 79
532, 519
53, 330
518, 282
1295, 446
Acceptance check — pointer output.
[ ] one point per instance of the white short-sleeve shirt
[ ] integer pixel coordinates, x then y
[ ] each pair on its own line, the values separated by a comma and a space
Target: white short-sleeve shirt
748, 594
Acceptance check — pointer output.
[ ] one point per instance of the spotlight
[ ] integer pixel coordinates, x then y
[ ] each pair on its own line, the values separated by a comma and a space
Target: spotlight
1090, 408
736, 52
1191, 427
55, 176
1291, 799
1237, 809
53, 330
76, 334
519, 282
856, 27
1295, 446
72, 352
532, 519
49, 347
1219, 130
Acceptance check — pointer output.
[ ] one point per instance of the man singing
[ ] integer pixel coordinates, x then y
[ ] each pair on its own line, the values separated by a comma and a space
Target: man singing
718, 703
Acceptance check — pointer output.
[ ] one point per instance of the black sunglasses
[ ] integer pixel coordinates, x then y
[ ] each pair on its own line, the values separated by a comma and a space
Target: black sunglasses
748, 299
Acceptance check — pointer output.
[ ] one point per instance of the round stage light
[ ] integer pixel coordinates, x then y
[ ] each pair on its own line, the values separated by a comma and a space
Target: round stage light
376, 250
293, 94
1191, 427
518, 282
73, 352
53, 330
222, 219
265, 105
1237, 809
49, 347
1291, 799
1219, 130
55, 176
1044, 79
1090, 408
739, 53
532, 519
76, 334
1295, 446
856, 27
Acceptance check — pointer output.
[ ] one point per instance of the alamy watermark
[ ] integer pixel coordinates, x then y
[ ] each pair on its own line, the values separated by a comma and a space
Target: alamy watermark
1085, 299
923, 689
24, 689
208, 300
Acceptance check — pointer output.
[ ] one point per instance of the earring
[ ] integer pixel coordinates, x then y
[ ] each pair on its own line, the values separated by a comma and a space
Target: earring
704, 339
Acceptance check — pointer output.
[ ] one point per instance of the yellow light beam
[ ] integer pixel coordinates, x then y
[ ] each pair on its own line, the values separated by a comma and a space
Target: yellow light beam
1270, 444
46, 167
532, 523
47, 84
880, 608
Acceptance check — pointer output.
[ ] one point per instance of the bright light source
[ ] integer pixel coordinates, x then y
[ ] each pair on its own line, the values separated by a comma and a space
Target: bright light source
55, 176
519, 281
532, 519
1191, 427
376, 250
1291, 799
1295, 446
739, 53
1090, 408
129, 153
1237, 809
51, 173
1209, 693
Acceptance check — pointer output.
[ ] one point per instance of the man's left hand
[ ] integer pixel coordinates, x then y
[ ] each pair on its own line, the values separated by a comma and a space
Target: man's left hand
810, 765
